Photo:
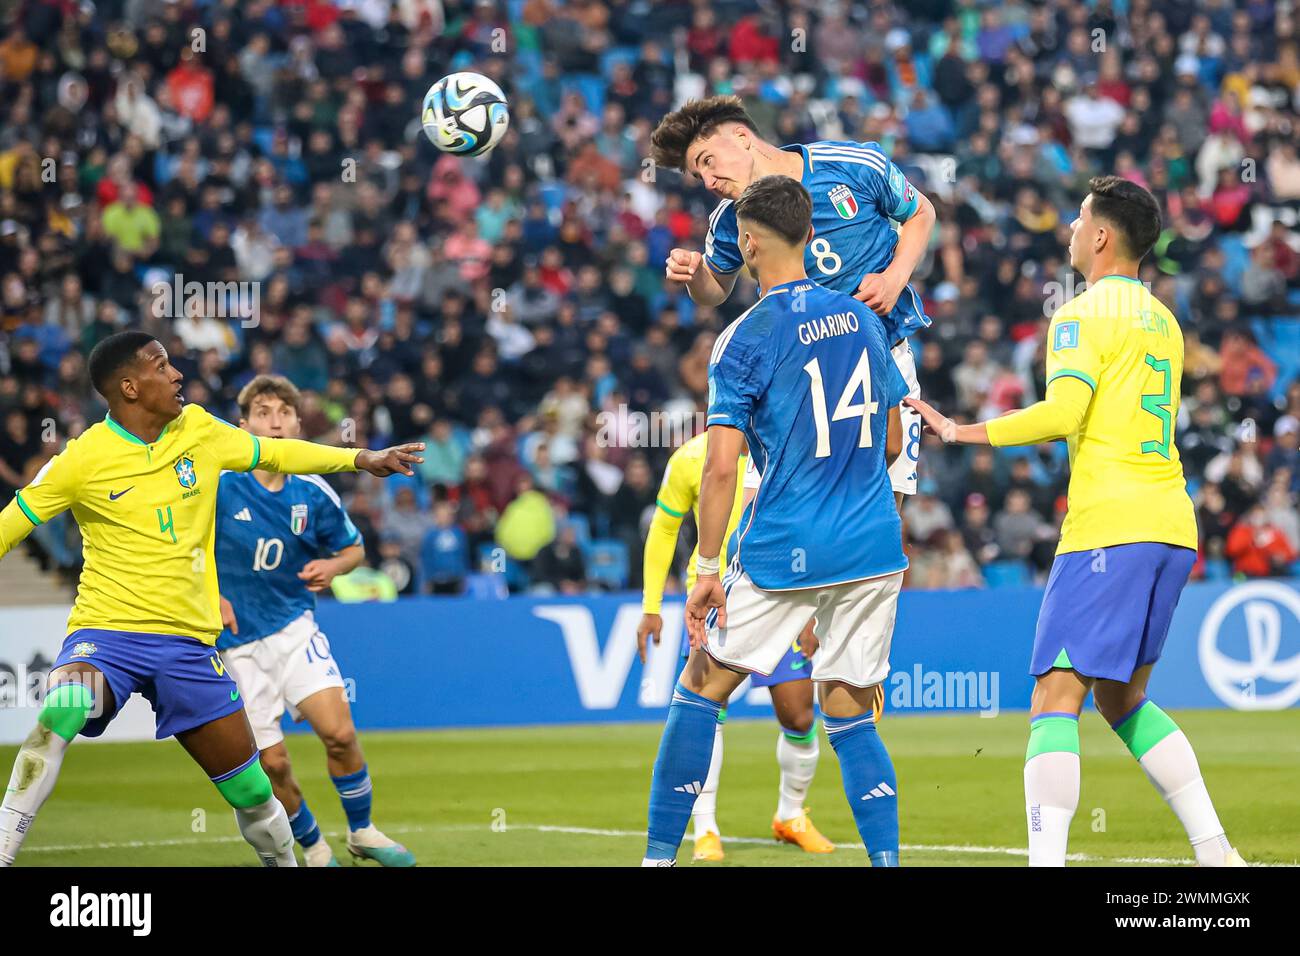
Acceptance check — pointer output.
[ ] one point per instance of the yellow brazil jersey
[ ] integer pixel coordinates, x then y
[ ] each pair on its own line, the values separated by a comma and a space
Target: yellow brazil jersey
680, 493
1126, 479
146, 513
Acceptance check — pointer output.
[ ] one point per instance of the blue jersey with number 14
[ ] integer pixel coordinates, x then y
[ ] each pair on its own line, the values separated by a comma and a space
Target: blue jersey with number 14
858, 195
264, 539
806, 374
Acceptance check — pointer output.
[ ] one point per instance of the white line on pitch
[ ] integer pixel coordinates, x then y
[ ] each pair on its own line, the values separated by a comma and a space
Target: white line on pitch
593, 831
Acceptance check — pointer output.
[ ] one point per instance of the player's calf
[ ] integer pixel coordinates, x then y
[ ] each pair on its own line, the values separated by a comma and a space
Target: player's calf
1167, 758
870, 783
63, 713
260, 816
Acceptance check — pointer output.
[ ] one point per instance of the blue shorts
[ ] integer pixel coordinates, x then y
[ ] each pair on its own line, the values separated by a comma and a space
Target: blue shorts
793, 666
1106, 612
182, 678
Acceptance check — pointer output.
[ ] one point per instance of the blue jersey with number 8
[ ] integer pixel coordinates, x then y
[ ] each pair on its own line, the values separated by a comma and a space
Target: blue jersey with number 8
858, 195
806, 374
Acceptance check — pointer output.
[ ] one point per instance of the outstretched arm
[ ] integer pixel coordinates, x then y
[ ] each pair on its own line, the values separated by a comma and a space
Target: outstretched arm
294, 457
1059, 415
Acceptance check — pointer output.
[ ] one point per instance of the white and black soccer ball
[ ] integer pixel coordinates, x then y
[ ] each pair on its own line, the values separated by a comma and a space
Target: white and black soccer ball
465, 114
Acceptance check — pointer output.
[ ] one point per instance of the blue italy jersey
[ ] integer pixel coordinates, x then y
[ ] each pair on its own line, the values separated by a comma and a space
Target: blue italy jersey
806, 374
858, 195
264, 539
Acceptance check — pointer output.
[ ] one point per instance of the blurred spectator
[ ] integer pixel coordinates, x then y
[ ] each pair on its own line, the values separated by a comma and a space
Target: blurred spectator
444, 554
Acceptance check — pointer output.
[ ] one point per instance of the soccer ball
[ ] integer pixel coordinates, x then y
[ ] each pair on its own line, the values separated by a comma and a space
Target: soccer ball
465, 114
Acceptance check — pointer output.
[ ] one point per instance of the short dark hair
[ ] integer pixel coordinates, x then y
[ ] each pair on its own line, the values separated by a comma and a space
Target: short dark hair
110, 356
780, 204
676, 131
1130, 209
276, 385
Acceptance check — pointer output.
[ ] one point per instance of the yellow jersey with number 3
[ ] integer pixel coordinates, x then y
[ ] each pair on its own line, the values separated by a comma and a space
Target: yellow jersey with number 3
147, 517
1126, 479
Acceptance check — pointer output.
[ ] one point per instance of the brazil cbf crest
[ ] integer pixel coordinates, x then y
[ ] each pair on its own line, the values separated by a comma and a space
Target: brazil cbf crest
298, 519
83, 649
841, 198
185, 472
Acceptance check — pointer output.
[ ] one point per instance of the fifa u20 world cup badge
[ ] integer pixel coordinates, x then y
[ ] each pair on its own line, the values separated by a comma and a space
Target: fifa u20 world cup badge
841, 198
298, 519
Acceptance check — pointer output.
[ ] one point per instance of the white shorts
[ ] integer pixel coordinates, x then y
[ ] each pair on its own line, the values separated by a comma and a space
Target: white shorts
854, 627
281, 671
902, 473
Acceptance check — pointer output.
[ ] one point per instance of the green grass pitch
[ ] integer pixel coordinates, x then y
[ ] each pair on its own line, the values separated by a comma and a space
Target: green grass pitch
577, 796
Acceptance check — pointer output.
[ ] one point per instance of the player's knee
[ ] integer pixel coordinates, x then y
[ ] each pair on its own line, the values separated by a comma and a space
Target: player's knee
66, 709
275, 761
340, 741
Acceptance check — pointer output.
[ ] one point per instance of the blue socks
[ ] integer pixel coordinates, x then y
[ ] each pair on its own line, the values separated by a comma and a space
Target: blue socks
304, 826
354, 793
680, 770
869, 784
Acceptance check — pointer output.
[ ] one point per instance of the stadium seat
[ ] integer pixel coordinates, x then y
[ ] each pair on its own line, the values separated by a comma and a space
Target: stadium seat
1006, 574
616, 55
607, 564
486, 587
591, 87
581, 526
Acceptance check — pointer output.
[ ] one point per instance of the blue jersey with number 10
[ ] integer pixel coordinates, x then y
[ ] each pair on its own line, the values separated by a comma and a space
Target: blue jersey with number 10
264, 538
858, 195
806, 374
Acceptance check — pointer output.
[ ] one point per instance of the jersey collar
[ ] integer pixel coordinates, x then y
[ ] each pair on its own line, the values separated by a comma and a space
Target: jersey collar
121, 432
807, 160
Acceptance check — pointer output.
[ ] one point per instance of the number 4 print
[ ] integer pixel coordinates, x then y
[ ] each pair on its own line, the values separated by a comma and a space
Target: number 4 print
861, 378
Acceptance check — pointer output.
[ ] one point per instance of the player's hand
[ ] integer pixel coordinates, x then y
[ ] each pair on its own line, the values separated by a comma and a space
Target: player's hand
318, 574
228, 617
705, 596
651, 625
878, 292
808, 642
682, 264
940, 424
391, 461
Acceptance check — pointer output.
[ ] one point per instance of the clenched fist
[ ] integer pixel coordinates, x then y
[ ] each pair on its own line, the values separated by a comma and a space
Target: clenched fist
682, 264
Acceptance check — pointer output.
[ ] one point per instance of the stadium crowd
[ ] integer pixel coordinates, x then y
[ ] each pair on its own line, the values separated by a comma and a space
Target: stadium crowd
512, 311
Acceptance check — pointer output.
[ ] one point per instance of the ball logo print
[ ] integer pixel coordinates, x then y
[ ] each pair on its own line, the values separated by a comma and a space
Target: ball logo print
465, 114
1262, 681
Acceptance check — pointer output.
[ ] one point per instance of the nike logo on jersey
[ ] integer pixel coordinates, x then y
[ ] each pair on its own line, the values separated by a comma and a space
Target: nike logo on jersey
881, 789
114, 495
234, 694
243, 515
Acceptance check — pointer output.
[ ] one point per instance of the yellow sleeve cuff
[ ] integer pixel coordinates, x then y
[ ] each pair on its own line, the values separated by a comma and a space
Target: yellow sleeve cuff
15, 525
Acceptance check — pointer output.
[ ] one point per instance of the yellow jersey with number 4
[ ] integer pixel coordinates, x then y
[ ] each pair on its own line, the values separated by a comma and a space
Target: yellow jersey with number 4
1126, 479
146, 513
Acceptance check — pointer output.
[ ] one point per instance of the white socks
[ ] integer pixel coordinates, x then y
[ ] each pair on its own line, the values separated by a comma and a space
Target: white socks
266, 828
1171, 767
1051, 797
34, 774
705, 813
798, 763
